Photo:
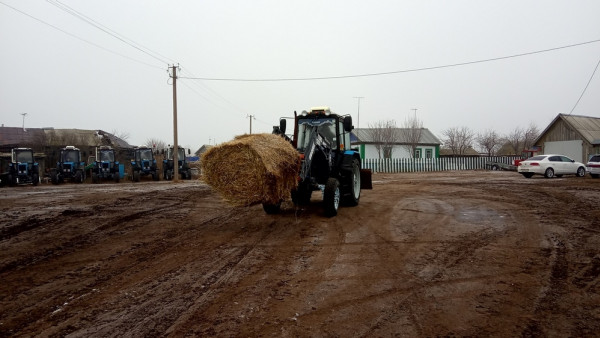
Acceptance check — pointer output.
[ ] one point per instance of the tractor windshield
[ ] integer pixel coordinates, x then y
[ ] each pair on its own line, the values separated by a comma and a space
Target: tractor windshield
145, 154
70, 156
180, 154
107, 156
324, 126
24, 156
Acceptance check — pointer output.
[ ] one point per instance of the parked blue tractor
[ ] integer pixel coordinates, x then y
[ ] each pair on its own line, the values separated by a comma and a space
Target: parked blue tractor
22, 168
69, 166
106, 166
184, 168
143, 164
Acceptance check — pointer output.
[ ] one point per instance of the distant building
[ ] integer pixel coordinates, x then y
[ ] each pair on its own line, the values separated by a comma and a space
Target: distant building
427, 147
575, 136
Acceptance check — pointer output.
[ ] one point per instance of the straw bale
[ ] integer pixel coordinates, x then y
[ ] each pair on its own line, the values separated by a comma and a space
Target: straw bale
252, 169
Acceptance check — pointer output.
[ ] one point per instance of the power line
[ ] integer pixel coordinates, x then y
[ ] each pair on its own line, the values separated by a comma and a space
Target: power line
392, 72
586, 87
105, 29
77, 37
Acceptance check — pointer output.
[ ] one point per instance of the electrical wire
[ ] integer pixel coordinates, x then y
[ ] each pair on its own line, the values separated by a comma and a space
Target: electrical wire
106, 30
392, 72
586, 87
79, 38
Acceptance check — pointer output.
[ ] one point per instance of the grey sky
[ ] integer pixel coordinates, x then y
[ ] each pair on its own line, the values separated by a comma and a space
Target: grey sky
63, 82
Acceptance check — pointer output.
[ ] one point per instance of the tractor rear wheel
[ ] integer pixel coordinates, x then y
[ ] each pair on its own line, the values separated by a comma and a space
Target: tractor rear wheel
302, 194
136, 176
331, 197
353, 193
94, 178
35, 178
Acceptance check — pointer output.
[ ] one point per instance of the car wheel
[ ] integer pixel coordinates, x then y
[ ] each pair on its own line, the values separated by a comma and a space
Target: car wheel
528, 175
549, 173
495, 167
580, 172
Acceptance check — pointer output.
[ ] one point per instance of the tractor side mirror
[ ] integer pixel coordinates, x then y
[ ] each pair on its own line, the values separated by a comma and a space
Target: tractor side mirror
189, 151
348, 123
282, 125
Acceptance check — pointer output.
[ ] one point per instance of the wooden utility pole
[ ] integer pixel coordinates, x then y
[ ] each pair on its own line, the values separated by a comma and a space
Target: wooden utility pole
175, 143
251, 117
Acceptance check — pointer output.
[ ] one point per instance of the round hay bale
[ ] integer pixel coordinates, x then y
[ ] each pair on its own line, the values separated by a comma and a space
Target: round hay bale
252, 169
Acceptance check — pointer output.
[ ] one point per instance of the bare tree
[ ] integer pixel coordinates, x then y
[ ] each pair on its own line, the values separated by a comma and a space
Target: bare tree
458, 139
384, 134
489, 141
515, 140
156, 144
411, 131
530, 135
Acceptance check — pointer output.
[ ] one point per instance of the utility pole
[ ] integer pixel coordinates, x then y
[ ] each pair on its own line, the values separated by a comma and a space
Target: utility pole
175, 143
251, 117
415, 110
24, 114
358, 112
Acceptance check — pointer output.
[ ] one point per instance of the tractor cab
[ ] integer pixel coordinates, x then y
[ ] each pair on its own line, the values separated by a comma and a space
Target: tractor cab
22, 168
106, 165
328, 163
143, 163
184, 169
69, 166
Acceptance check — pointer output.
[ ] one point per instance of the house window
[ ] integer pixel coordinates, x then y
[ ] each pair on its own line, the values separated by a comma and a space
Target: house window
417, 153
428, 153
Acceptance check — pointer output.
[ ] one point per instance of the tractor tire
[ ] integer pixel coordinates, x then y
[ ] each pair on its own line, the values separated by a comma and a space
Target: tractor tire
353, 193
35, 178
94, 178
272, 209
331, 197
136, 176
54, 178
117, 178
78, 177
189, 174
168, 175
155, 176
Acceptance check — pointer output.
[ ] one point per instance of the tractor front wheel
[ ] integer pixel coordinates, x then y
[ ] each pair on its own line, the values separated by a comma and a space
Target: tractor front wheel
331, 197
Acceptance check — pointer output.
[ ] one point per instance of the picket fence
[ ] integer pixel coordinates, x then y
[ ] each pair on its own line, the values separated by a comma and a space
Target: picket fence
402, 165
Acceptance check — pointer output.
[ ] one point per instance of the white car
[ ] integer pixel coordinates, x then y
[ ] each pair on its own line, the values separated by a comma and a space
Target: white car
593, 166
550, 166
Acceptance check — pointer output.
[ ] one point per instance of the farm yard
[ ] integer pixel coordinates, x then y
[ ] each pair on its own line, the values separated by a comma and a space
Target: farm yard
460, 253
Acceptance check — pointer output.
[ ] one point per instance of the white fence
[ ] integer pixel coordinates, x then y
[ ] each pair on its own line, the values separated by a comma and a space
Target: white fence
400, 165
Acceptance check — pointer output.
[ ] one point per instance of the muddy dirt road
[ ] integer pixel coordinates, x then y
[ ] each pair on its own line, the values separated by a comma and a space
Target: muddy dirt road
436, 254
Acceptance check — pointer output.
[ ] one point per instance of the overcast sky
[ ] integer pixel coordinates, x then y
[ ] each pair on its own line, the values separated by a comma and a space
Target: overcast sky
65, 73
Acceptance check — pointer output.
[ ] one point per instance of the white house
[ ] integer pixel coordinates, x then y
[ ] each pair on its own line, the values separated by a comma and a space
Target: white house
427, 147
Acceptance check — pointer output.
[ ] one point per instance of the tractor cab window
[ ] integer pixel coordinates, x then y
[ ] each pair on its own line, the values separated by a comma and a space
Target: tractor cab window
70, 156
24, 157
107, 156
306, 128
145, 155
180, 154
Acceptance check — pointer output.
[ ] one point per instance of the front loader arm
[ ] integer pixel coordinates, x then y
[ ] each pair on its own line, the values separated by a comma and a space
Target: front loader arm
316, 143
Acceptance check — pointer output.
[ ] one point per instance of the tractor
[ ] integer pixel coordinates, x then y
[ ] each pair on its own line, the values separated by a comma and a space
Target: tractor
184, 168
69, 166
106, 165
143, 164
328, 164
22, 168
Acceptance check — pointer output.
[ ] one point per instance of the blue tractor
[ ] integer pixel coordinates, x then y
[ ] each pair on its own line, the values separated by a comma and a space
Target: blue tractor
328, 164
184, 168
143, 164
106, 166
22, 169
69, 166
